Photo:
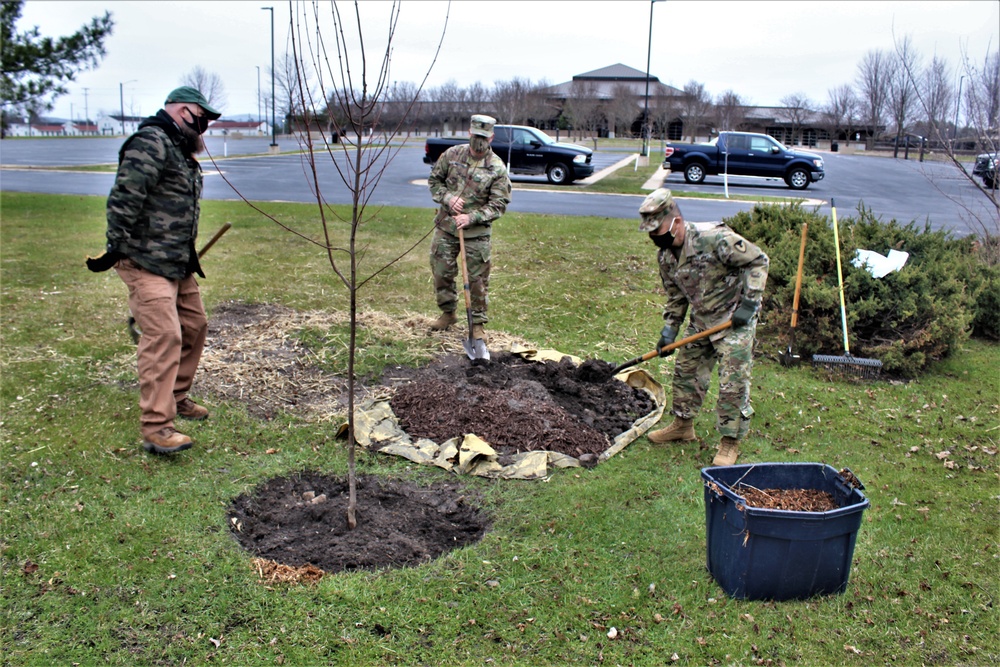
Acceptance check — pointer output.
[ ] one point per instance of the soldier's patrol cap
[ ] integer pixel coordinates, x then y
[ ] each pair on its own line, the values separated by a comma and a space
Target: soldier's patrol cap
482, 125
653, 209
194, 96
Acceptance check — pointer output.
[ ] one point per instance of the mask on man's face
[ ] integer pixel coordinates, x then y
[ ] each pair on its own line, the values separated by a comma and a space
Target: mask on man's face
664, 240
199, 125
479, 144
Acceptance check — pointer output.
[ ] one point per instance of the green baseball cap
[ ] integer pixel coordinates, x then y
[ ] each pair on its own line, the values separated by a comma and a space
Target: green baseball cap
193, 95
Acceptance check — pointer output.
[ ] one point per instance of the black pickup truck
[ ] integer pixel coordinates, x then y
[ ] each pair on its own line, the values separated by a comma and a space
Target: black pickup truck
744, 154
527, 150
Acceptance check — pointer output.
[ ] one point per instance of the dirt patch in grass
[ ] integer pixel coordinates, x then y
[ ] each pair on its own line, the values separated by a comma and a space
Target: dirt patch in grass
300, 521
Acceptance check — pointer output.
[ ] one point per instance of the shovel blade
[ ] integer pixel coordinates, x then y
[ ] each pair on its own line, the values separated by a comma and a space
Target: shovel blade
475, 348
788, 359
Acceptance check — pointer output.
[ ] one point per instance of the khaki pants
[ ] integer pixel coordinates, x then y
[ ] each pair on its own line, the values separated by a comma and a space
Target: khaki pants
172, 319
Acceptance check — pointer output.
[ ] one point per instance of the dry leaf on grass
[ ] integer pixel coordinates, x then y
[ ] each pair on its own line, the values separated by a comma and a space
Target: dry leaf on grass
276, 573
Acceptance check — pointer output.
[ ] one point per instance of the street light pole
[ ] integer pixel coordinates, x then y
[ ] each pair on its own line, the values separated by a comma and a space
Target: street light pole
258, 95
274, 130
645, 110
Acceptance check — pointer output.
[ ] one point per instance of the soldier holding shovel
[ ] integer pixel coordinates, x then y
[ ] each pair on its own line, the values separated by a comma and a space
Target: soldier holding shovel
473, 189
719, 275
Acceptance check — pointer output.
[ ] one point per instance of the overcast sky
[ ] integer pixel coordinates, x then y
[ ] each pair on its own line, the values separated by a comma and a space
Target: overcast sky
763, 51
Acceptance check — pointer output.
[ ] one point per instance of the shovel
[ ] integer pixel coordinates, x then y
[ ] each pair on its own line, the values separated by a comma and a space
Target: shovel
475, 348
133, 328
673, 346
787, 358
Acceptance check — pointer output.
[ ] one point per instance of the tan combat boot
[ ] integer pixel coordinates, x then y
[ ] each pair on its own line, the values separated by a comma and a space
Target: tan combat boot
443, 321
191, 410
166, 441
679, 429
479, 333
729, 450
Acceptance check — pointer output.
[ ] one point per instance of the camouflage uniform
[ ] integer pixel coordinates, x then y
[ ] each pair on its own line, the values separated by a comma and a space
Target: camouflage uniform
154, 205
714, 271
485, 187
152, 214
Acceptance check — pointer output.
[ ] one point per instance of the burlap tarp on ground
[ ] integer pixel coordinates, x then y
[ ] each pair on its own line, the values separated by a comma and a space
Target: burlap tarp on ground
377, 429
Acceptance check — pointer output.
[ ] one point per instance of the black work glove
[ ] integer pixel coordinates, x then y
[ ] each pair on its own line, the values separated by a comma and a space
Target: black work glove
745, 312
667, 336
104, 261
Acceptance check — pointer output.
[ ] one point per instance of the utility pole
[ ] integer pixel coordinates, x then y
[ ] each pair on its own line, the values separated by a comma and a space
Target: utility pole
86, 112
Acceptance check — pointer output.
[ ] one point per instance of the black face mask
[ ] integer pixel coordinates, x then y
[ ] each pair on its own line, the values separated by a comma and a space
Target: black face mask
663, 241
199, 125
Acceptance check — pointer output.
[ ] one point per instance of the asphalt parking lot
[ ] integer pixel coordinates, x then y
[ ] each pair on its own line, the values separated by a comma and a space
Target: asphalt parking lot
928, 192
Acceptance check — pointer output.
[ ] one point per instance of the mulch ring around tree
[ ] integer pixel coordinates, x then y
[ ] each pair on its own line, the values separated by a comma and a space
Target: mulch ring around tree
296, 525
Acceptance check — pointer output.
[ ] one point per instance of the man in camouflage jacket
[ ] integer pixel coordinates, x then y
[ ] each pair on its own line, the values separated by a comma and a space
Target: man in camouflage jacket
472, 186
717, 275
152, 213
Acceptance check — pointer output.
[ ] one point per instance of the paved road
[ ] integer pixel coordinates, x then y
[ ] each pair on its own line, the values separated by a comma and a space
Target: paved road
905, 190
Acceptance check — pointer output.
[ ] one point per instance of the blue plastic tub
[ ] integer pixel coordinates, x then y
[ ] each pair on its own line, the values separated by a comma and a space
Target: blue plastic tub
763, 554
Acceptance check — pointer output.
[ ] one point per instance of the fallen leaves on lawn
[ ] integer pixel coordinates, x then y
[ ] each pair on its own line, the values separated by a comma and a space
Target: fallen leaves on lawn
276, 573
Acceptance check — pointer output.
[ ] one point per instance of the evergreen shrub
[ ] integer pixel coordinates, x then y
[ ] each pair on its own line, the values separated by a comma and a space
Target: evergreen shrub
906, 319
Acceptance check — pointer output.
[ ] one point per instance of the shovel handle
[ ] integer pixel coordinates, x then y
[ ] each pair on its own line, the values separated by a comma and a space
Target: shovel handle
466, 289
673, 346
216, 237
798, 277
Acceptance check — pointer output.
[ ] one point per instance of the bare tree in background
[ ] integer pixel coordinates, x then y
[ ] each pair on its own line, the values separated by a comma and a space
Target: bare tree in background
730, 110
903, 90
621, 110
982, 99
539, 111
450, 101
696, 105
874, 73
984, 83
287, 85
664, 109
353, 97
840, 110
582, 106
209, 83
796, 109
509, 101
934, 87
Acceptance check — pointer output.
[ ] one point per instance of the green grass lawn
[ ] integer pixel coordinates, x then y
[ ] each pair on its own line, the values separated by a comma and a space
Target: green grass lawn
112, 556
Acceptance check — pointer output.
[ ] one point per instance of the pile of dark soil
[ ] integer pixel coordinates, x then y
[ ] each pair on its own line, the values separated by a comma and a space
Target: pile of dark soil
302, 519
518, 405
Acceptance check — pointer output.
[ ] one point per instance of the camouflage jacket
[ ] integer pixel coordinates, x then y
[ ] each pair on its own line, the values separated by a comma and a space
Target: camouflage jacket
153, 207
484, 184
712, 272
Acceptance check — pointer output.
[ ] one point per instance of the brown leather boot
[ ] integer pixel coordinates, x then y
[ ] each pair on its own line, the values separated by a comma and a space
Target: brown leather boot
729, 450
190, 410
679, 429
443, 321
166, 441
479, 333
